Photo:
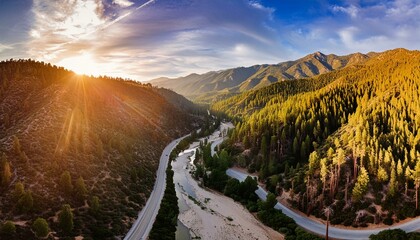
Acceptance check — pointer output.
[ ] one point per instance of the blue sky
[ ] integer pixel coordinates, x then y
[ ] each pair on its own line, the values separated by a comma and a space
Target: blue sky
143, 39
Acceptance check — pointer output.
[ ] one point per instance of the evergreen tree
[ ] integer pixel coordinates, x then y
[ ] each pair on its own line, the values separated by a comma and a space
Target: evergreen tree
324, 173
26, 202
65, 182
94, 204
392, 183
313, 162
270, 202
80, 188
361, 185
19, 190
65, 219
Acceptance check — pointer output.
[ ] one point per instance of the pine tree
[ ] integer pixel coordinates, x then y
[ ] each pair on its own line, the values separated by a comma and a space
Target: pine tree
295, 146
80, 188
26, 202
65, 218
392, 183
382, 175
361, 185
313, 162
65, 182
19, 190
339, 160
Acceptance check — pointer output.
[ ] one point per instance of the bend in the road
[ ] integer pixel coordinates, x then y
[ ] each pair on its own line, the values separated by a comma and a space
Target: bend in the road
315, 226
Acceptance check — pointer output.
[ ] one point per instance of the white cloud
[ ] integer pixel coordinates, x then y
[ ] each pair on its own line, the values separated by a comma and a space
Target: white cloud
258, 5
377, 26
123, 3
177, 37
351, 10
171, 38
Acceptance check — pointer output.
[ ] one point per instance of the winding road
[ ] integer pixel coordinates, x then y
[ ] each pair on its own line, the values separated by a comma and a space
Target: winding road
318, 227
311, 224
141, 228
144, 223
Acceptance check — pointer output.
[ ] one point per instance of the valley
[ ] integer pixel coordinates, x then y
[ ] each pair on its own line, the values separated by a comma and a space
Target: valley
325, 149
91, 143
192, 119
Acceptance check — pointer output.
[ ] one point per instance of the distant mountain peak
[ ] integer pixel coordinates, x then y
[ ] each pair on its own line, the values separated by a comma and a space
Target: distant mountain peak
318, 53
205, 87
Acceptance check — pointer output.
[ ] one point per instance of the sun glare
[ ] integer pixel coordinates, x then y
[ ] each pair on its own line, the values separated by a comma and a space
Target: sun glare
83, 64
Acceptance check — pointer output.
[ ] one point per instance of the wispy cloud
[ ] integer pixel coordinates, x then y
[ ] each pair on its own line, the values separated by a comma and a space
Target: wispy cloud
376, 26
154, 38
5, 47
351, 10
145, 39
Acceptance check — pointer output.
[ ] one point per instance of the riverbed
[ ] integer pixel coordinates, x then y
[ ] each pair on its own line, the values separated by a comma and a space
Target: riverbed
208, 214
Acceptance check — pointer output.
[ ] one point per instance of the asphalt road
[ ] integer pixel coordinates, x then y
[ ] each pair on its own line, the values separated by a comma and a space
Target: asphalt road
144, 223
312, 225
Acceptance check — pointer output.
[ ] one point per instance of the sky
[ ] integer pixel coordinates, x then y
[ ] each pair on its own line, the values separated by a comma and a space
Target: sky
146, 39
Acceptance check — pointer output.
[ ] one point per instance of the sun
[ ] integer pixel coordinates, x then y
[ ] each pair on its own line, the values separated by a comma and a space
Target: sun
82, 64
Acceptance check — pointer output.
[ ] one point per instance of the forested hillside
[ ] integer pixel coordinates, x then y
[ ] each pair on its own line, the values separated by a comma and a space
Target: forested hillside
348, 139
217, 85
77, 152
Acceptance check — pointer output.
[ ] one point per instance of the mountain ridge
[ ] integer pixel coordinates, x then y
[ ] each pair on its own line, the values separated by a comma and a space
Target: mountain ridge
348, 137
208, 86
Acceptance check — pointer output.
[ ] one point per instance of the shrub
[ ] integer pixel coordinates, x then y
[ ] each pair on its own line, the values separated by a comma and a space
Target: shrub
40, 227
8, 228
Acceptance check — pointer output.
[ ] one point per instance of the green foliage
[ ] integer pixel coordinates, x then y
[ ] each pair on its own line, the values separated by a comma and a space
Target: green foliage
270, 202
166, 220
40, 227
25, 202
241, 191
314, 161
361, 185
359, 117
277, 220
80, 188
382, 175
65, 219
65, 182
394, 234
232, 188
94, 204
19, 190
8, 228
